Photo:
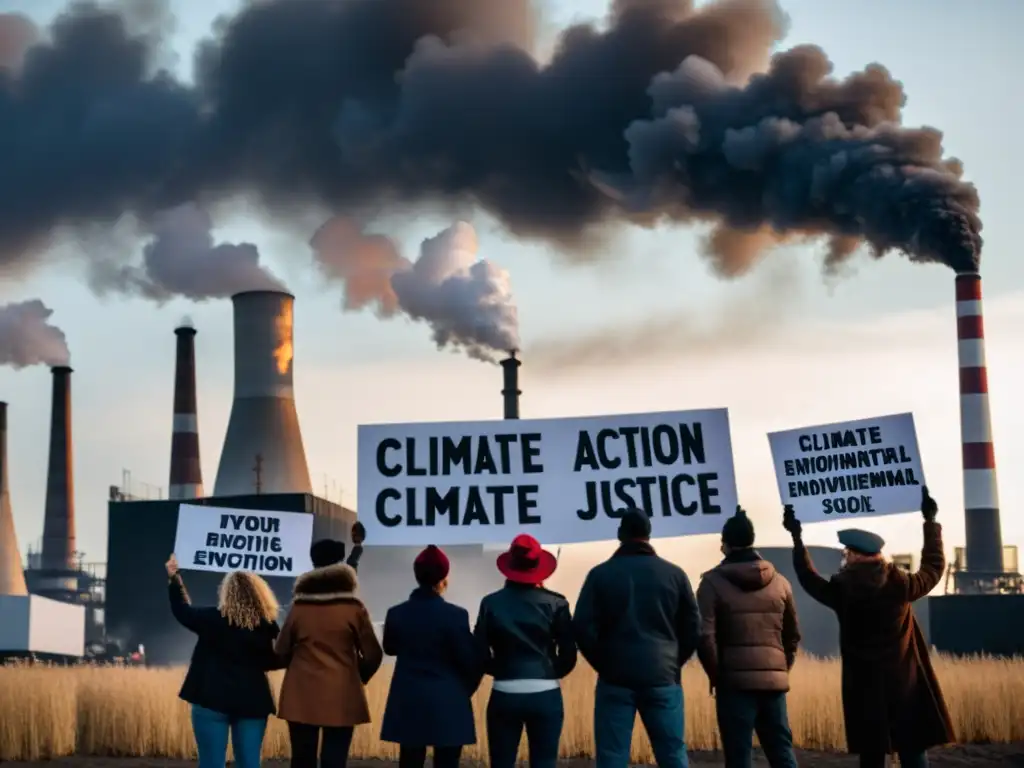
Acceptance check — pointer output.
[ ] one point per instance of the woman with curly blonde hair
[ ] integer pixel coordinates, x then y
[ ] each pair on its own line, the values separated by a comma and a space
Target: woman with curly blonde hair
226, 682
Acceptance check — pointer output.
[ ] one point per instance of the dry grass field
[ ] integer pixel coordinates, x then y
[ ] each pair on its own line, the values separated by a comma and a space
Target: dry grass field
48, 712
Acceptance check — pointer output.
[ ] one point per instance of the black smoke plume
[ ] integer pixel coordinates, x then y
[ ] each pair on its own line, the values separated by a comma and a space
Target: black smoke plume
402, 105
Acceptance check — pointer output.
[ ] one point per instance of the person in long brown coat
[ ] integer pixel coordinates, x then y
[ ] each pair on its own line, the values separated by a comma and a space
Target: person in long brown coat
331, 653
892, 702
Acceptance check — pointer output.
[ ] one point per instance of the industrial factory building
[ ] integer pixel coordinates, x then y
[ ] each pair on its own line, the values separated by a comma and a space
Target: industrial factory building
263, 467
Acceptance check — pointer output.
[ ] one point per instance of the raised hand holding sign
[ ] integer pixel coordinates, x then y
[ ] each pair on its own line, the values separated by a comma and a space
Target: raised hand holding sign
929, 508
790, 523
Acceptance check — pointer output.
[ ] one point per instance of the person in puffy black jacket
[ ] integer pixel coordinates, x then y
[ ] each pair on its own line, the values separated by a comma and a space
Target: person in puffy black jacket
525, 638
226, 682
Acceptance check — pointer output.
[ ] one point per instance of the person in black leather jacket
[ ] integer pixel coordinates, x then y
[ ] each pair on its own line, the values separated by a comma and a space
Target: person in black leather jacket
525, 639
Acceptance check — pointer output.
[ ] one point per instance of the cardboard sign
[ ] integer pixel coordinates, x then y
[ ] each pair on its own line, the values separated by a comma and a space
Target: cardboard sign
560, 480
223, 540
864, 468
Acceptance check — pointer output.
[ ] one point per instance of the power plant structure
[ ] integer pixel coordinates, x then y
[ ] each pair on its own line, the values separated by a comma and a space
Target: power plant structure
12, 575
263, 450
186, 480
985, 611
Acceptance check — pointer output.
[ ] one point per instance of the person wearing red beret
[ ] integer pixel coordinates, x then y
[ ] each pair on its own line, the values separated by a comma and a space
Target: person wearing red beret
436, 670
524, 635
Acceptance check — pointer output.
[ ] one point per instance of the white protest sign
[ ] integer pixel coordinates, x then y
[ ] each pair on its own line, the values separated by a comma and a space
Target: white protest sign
869, 467
560, 480
221, 539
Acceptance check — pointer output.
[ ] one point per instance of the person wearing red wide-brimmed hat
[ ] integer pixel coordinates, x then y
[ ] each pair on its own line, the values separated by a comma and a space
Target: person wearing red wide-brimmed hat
524, 634
437, 670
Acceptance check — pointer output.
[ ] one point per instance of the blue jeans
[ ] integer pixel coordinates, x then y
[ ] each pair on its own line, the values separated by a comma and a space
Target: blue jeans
741, 714
661, 711
212, 730
541, 714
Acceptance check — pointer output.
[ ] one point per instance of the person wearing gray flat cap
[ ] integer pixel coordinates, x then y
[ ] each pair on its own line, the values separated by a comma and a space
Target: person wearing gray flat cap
892, 702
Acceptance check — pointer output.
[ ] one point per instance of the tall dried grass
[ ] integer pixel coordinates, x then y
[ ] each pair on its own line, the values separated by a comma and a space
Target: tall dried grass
112, 711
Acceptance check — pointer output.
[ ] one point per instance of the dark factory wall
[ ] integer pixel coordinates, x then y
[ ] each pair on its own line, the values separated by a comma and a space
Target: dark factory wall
972, 624
141, 537
818, 625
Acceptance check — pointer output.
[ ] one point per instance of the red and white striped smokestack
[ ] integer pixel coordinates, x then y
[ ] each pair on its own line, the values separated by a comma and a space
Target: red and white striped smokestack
186, 472
12, 576
58, 556
981, 493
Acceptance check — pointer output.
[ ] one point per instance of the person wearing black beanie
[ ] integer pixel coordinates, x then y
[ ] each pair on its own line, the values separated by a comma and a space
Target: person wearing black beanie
748, 642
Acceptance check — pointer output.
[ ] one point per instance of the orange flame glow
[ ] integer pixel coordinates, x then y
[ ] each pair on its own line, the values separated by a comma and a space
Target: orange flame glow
283, 354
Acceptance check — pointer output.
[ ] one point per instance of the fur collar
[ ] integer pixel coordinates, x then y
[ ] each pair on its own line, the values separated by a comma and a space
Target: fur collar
321, 585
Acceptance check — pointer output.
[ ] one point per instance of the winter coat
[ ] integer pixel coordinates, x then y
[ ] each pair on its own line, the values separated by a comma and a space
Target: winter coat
636, 606
437, 670
891, 697
228, 670
331, 651
749, 632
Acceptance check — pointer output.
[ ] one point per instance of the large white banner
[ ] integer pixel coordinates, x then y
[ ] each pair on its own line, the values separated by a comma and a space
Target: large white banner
560, 480
864, 468
222, 539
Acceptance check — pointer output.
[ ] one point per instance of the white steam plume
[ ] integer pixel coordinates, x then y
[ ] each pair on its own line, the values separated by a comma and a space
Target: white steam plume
26, 338
182, 259
466, 301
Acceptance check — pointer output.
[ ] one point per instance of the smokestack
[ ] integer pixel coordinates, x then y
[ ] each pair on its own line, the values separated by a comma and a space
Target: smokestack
511, 392
263, 450
58, 555
12, 577
981, 494
186, 472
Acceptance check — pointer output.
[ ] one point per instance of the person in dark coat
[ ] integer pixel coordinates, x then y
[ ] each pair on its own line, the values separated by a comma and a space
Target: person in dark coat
436, 670
226, 682
637, 624
891, 698
524, 634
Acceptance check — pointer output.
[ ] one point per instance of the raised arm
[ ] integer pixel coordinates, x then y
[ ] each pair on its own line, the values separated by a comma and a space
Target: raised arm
707, 646
818, 587
181, 607
687, 621
565, 641
371, 655
933, 557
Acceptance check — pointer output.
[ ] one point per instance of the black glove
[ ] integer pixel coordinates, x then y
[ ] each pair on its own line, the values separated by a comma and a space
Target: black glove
929, 509
358, 534
790, 523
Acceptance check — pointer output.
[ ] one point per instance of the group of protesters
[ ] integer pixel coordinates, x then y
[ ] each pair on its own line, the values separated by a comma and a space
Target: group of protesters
637, 622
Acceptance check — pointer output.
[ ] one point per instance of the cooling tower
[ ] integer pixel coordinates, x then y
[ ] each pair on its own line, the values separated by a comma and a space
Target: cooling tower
263, 450
186, 480
510, 393
981, 494
58, 556
12, 577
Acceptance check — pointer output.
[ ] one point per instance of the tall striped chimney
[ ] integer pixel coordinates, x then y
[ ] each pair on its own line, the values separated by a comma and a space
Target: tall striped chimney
981, 493
12, 576
263, 450
186, 480
58, 556
511, 392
